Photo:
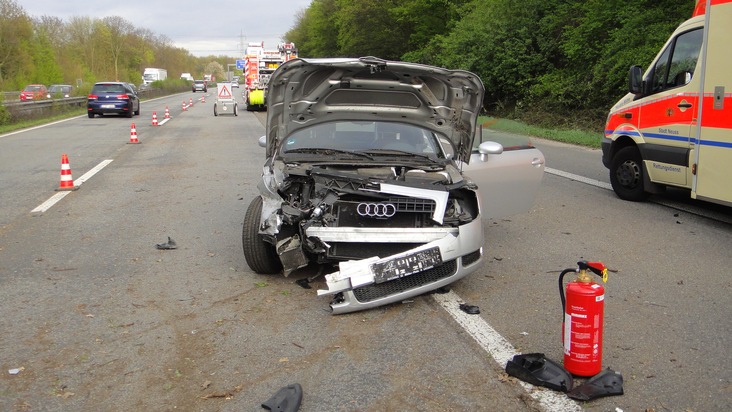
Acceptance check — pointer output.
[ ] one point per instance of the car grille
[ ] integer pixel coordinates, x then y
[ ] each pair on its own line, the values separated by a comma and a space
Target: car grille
380, 290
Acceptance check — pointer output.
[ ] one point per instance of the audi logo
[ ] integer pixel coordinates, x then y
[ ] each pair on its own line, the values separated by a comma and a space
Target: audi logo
376, 209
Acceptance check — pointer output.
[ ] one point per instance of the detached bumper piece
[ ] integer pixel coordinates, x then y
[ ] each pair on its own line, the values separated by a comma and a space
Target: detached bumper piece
605, 383
536, 369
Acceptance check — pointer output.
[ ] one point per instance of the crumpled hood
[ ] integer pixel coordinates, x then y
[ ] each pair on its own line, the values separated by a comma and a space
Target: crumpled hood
306, 92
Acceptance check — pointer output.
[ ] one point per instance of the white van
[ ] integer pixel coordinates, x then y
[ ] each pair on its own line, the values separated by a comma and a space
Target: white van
661, 133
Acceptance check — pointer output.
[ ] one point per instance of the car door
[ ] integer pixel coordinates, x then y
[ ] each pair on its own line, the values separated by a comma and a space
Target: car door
507, 181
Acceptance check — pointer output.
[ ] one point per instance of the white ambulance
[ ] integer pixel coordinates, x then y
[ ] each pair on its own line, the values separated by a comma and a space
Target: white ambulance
674, 127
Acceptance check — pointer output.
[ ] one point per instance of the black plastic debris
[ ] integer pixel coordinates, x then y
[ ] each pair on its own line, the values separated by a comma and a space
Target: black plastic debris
304, 283
167, 246
605, 383
469, 309
536, 369
286, 399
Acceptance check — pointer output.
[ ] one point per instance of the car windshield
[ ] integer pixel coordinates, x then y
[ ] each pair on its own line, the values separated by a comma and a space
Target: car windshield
376, 138
32, 88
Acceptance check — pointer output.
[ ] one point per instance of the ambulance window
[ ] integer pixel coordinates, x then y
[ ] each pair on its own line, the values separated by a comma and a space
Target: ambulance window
676, 65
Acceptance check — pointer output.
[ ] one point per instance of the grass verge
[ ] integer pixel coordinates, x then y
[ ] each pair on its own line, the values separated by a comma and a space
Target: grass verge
577, 137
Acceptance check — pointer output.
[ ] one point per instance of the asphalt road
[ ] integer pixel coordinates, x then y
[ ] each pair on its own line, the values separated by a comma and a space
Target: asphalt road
97, 318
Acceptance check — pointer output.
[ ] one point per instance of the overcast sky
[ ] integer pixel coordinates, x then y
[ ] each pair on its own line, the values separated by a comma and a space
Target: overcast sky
201, 27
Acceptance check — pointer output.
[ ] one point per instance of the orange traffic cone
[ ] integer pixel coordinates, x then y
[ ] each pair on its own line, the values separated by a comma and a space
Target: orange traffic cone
155, 119
167, 112
190, 101
184, 106
203, 99
67, 183
133, 135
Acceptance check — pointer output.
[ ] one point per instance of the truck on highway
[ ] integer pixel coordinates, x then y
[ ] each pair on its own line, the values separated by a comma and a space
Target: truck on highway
259, 64
674, 127
151, 74
186, 76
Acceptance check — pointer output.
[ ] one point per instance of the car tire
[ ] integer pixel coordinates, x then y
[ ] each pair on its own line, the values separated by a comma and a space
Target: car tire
626, 174
216, 113
260, 255
137, 112
236, 110
91, 115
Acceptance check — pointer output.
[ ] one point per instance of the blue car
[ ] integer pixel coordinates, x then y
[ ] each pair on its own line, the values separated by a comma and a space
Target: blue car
112, 97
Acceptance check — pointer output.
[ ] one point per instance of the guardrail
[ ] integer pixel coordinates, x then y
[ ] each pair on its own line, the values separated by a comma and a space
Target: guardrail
42, 108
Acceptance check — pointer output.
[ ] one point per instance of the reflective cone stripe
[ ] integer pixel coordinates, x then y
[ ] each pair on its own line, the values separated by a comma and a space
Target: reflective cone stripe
167, 113
155, 119
67, 182
133, 135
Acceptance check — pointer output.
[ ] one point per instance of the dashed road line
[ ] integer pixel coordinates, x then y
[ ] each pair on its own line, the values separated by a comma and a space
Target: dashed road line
578, 178
78, 182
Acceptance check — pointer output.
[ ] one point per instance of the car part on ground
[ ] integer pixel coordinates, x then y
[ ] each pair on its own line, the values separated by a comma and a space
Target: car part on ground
537, 369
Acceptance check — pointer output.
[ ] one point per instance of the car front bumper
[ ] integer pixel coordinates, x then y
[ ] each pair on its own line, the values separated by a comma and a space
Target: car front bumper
357, 286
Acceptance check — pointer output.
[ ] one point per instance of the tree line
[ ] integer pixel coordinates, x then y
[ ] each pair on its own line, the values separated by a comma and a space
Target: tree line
48, 50
552, 62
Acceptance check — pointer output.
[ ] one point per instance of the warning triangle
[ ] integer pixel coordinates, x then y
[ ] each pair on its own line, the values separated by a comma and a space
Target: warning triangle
224, 92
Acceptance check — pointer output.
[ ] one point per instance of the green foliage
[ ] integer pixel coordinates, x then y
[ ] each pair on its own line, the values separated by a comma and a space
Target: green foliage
554, 62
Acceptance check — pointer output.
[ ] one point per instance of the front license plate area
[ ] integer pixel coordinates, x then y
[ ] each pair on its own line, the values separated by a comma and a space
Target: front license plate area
406, 265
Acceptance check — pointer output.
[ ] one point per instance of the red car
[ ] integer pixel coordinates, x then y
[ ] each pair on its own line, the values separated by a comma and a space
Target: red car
33, 92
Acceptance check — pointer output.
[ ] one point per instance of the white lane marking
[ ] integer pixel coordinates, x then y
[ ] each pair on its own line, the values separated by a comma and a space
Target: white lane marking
50, 202
164, 121
38, 127
578, 178
78, 182
501, 351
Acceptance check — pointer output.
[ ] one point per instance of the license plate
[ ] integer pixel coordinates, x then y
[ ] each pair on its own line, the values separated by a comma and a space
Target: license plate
406, 265
108, 106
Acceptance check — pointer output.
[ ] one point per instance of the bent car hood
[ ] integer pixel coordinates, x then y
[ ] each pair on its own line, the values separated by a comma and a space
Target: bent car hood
306, 92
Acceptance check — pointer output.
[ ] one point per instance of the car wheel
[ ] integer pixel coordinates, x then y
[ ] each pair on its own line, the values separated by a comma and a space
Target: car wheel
91, 115
236, 111
626, 174
137, 112
216, 113
260, 255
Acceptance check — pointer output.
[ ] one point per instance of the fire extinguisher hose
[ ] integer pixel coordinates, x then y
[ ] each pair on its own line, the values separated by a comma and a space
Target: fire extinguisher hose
561, 287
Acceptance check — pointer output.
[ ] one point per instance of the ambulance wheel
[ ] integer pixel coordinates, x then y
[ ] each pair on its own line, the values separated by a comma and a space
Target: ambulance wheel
236, 111
216, 113
260, 255
626, 174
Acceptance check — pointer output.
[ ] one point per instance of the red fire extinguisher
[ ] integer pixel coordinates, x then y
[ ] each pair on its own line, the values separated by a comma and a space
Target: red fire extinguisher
582, 318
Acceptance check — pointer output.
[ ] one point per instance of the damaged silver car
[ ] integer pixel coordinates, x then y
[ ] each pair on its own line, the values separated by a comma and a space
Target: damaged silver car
364, 174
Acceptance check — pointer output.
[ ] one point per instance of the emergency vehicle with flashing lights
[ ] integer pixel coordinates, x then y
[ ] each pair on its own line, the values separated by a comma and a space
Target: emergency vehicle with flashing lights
259, 64
674, 127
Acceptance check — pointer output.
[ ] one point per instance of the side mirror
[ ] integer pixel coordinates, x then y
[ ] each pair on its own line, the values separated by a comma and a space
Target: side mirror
262, 141
635, 81
489, 148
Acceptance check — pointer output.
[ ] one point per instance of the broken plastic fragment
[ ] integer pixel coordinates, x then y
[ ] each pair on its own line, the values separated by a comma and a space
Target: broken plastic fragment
286, 399
536, 369
15, 371
469, 309
605, 383
167, 246
304, 283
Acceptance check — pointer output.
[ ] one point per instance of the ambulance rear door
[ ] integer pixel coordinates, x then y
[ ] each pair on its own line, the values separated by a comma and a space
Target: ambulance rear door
713, 163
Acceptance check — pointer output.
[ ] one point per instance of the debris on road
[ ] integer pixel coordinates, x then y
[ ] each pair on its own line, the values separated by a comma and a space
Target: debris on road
536, 369
286, 399
16, 371
469, 309
167, 246
605, 383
